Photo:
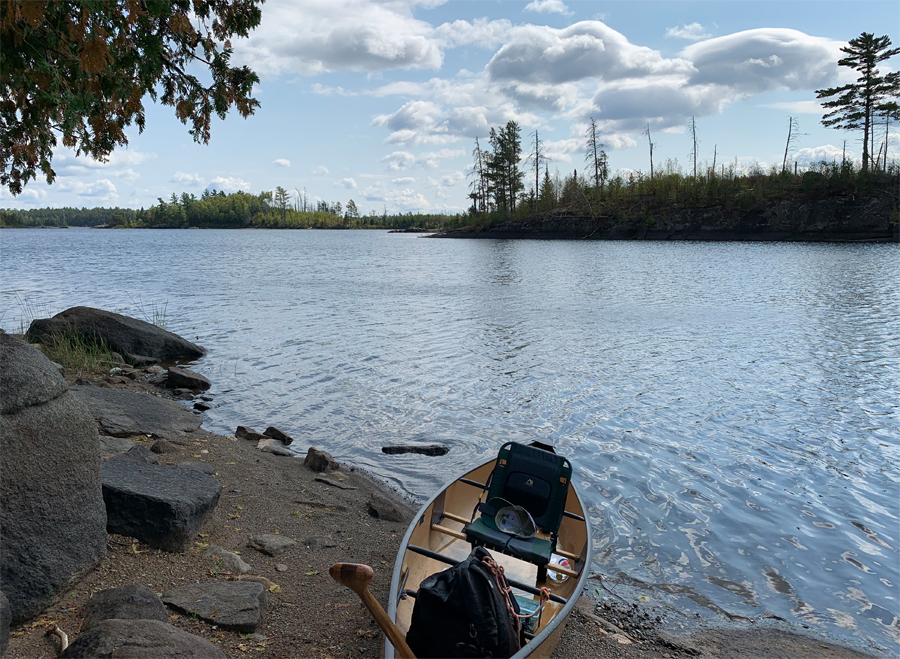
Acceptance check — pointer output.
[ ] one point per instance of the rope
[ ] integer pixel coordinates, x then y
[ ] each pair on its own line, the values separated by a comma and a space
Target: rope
497, 570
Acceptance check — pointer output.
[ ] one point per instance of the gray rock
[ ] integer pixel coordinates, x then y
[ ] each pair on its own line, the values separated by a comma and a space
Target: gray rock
159, 505
430, 449
125, 413
383, 508
135, 602
180, 377
231, 562
110, 447
33, 381
138, 341
281, 567
270, 445
320, 460
5, 618
200, 406
243, 432
318, 542
117, 358
275, 433
235, 605
52, 517
271, 544
155, 369
142, 454
161, 446
159, 379
202, 467
140, 639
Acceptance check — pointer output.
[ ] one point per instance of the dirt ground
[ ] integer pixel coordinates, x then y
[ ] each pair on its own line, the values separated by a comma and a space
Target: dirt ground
309, 615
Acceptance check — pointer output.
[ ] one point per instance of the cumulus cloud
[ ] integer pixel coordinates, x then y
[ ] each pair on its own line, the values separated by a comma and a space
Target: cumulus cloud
432, 160
588, 49
826, 152
548, 7
400, 199
480, 32
101, 190
398, 161
120, 162
32, 196
765, 59
317, 36
321, 170
228, 184
281, 162
322, 90
691, 32
348, 183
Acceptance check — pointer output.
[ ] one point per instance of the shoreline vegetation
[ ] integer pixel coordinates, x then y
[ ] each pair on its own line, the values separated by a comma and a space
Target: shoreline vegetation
829, 202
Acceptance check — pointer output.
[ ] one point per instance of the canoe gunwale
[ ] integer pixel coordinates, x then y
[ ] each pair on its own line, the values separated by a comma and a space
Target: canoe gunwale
553, 627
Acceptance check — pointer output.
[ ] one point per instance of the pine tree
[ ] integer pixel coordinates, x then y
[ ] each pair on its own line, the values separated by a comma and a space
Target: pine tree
856, 104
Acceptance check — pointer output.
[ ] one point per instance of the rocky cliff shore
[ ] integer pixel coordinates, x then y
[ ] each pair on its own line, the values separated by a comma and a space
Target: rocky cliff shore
840, 219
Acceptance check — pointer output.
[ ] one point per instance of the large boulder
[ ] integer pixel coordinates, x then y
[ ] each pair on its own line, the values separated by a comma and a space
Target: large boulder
140, 639
134, 602
160, 505
52, 516
135, 339
4, 623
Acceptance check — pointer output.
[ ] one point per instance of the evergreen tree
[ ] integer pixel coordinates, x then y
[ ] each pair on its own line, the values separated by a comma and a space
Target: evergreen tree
282, 201
855, 104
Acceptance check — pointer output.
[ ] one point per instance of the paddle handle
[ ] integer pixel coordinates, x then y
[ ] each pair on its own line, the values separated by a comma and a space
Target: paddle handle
356, 578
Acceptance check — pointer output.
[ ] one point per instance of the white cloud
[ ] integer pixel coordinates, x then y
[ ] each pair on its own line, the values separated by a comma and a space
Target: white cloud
120, 163
548, 7
432, 159
322, 90
101, 190
798, 107
585, 50
348, 183
403, 180
186, 179
228, 184
765, 59
32, 196
398, 161
321, 170
480, 32
826, 152
317, 36
691, 32
282, 162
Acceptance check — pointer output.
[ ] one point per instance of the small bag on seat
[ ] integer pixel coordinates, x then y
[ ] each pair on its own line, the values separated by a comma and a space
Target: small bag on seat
461, 612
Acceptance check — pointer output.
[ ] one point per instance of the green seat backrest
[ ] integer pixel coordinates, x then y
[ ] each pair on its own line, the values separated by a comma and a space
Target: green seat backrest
533, 478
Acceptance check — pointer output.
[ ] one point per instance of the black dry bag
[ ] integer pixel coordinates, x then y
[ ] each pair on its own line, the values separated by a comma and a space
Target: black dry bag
461, 612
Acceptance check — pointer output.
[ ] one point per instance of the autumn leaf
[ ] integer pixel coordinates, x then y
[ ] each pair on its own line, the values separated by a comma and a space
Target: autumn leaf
94, 56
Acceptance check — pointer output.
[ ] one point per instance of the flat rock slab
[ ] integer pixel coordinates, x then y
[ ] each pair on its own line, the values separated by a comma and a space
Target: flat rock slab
110, 447
202, 467
140, 639
231, 562
269, 445
431, 449
135, 602
121, 413
271, 544
160, 505
234, 605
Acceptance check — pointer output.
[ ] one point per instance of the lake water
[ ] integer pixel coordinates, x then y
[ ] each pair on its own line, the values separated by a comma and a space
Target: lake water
731, 408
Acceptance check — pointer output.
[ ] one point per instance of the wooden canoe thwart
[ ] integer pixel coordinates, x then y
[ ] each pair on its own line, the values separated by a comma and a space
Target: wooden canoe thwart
445, 529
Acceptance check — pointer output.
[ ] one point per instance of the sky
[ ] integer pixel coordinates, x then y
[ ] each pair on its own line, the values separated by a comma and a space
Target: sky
380, 101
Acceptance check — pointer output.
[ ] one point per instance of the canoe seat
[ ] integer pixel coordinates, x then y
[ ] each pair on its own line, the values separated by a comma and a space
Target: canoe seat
538, 481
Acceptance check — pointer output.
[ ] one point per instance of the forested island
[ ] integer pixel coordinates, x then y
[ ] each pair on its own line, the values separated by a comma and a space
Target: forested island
829, 202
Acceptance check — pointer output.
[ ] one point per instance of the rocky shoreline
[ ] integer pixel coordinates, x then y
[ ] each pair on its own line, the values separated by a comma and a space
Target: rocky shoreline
841, 220
251, 578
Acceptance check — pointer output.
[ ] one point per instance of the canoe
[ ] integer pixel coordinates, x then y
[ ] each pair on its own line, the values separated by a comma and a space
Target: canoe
435, 540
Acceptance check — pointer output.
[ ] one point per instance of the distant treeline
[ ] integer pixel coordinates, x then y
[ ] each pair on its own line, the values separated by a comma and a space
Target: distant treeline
217, 210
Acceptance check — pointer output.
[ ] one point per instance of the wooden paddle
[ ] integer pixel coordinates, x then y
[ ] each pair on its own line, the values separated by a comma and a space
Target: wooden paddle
356, 578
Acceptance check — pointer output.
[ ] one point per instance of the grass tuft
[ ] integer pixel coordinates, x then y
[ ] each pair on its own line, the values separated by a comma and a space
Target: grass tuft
74, 353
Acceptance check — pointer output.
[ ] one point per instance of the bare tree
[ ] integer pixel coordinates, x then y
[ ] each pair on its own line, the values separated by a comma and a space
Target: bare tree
692, 126
536, 158
792, 139
650, 142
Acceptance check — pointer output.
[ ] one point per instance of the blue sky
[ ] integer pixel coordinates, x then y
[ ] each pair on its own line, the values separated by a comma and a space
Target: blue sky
380, 101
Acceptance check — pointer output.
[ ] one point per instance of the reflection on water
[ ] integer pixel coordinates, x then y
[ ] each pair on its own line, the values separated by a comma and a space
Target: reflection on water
731, 408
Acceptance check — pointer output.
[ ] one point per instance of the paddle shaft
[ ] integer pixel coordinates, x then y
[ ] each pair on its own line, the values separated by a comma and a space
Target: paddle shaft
357, 578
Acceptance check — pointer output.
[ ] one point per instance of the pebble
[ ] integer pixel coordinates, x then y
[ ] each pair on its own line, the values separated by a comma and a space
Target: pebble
281, 567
